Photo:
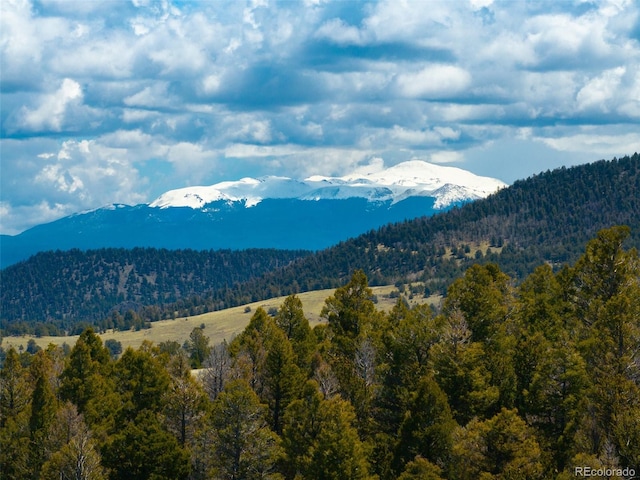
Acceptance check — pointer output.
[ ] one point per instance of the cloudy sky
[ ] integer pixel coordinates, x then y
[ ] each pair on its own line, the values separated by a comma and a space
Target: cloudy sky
119, 101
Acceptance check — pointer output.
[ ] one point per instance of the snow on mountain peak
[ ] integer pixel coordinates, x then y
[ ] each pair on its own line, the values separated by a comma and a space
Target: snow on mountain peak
412, 178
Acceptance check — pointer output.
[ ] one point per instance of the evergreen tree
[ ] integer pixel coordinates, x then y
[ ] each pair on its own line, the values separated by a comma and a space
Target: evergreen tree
426, 428
185, 404
290, 318
86, 380
338, 452
350, 307
142, 382
321, 440
243, 445
43, 409
301, 425
144, 450
421, 469
606, 290
461, 371
502, 447
483, 296
198, 347
15, 397
14, 390
283, 379
251, 347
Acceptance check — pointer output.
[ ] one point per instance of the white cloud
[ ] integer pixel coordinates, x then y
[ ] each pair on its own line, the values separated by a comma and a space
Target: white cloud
404, 136
52, 108
80, 175
607, 146
99, 94
446, 156
339, 32
599, 90
478, 4
434, 81
153, 96
192, 161
15, 219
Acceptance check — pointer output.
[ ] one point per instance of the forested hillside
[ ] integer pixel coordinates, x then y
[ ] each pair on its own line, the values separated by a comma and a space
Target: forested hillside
506, 382
546, 218
54, 291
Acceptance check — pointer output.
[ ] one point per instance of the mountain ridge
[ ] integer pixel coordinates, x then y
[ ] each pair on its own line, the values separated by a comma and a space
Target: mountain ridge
547, 218
416, 176
269, 212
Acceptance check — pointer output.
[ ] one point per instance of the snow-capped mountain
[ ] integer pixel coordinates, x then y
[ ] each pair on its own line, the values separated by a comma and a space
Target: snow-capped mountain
268, 212
415, 178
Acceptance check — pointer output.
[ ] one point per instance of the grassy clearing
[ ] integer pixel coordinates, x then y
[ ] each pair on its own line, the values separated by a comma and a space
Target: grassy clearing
219, 326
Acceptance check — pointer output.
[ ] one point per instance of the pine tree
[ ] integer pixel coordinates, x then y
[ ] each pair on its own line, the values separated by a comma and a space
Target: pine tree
283, 379
426, 428
142, 382
243, 445
198, 347
350, 307
502, 447
86, 380
43, 409
290, 318
14, 391
15, 397
321, 440
185, 404
143, 449
421, 469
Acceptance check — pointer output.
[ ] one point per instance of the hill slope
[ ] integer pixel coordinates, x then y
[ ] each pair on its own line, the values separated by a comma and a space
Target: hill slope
546, 218
64, 288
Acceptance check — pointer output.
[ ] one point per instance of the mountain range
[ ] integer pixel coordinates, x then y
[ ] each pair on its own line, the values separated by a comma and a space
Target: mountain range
547, 218
267, 212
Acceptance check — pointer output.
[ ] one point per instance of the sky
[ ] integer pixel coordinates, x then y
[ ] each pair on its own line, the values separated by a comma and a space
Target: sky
119, 101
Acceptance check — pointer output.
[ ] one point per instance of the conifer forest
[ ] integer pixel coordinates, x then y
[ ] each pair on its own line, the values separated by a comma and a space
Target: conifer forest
506, 380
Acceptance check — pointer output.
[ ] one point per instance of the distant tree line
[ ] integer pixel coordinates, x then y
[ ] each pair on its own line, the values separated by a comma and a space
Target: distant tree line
506, 382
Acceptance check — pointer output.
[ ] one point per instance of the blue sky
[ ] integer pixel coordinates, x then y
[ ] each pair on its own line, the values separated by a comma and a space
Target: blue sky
119, 101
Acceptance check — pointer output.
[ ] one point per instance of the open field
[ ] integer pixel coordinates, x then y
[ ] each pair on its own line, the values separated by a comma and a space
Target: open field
220, 325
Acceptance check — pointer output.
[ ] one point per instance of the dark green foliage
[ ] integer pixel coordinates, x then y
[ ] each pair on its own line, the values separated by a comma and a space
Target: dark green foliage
114, 347
421, 469
142, 450
43, 409
141, 381
198, 347
43, 401
14, 389
290, 318
243, 445
350, 307
123, 289
503, 447
426, 427
86, 381
321, 440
